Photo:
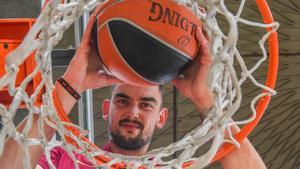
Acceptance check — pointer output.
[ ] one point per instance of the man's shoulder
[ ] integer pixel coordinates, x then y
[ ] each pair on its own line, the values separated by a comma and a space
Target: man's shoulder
58, 149
61, 159
56, 154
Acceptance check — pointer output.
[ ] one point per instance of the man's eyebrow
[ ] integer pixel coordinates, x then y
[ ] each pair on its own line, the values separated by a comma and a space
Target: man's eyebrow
122, 95
151, 99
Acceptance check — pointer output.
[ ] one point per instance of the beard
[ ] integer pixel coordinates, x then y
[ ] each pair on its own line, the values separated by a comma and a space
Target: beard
134, 143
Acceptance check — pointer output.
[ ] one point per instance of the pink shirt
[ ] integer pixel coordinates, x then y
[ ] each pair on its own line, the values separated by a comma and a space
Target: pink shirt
61, 159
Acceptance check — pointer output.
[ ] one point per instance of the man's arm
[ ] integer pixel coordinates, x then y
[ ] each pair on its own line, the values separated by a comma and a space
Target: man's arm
82, 73
194, 86
12, 156
13, 153
245, 157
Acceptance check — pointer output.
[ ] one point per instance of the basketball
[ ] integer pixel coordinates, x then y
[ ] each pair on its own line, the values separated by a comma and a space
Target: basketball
145, 42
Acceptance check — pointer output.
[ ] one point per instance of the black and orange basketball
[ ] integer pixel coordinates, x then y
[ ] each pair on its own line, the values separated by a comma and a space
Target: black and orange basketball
145, 42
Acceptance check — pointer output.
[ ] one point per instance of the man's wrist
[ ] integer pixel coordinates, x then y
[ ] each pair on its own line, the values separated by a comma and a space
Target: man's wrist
66, 100
74, 82
68, 88
203, 106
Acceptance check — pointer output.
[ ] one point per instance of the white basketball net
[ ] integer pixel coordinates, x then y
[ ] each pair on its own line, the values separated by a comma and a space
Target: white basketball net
49, 29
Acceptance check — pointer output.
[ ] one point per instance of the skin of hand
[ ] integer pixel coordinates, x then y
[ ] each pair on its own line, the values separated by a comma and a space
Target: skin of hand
84, 71
193, 83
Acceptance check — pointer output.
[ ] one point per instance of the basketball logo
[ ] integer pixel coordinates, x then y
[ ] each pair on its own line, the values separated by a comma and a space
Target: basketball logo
183, 41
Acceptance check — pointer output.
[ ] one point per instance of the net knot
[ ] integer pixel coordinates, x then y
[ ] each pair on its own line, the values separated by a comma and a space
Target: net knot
12, 68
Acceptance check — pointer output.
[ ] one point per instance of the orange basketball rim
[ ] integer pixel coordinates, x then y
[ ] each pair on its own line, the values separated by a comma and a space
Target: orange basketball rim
245, 131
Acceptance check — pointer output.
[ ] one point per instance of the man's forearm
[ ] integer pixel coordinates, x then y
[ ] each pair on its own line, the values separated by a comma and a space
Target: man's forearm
245, 157
203, 107
67, 101
13, 153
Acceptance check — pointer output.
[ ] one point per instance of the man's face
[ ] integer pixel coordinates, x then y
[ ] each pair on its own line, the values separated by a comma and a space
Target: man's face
133, 114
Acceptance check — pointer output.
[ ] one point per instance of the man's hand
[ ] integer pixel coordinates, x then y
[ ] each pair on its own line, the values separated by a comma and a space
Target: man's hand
193, 84
84, 71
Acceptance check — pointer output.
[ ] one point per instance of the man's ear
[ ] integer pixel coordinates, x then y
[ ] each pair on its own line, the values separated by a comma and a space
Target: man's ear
105, 109
163, 117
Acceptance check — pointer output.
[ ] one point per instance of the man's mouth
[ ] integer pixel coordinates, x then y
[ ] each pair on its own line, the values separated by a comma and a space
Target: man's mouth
130, 125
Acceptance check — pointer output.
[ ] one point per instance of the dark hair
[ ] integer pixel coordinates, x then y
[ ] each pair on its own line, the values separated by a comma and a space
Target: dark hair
160, 88
161, 91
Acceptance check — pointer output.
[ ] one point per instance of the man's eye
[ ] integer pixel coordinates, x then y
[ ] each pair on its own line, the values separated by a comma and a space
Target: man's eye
122, 101
147, 105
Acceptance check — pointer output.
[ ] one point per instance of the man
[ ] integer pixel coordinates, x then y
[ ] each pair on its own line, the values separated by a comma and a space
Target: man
133, 112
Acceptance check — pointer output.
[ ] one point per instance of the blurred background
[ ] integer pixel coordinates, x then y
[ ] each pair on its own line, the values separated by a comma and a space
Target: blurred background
277, 136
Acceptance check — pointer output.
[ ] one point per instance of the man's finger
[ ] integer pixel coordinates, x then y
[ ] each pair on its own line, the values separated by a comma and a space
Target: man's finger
205, 35
88, 31
113, 80
102, 79
202, 9
110, 79
204, 47
178, 81
201, 38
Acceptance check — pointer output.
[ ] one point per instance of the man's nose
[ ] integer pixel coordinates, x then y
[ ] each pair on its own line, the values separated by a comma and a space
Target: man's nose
134, 111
